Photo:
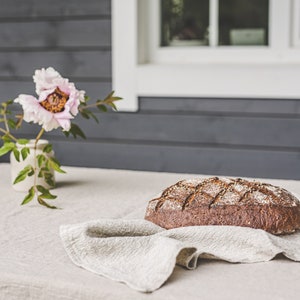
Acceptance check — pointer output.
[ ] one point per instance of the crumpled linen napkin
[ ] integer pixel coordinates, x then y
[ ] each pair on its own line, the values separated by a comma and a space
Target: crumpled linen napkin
143, 255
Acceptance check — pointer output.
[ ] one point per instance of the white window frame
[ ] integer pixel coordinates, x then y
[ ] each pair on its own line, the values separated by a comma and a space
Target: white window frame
141, 68
296, 23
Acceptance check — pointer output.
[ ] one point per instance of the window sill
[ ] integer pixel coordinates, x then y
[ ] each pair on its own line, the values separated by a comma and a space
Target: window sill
260, 80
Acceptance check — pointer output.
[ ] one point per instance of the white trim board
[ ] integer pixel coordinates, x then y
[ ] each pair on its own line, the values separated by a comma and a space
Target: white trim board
296, 23
124, 52
227, 80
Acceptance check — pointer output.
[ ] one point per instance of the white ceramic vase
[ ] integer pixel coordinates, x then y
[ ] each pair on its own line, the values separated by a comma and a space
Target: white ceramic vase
31, 159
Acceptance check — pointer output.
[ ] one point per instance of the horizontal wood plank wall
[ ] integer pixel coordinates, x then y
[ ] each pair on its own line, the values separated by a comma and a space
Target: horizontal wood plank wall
74, 37
236, 137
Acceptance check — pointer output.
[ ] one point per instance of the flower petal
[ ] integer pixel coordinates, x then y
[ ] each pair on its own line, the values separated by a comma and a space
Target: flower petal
65, 124
45, 93
45, 79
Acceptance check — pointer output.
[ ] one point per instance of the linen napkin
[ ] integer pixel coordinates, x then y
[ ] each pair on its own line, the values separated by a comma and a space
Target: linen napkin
143, 255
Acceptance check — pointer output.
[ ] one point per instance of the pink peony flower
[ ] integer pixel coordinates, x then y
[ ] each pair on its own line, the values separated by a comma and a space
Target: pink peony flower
57, 103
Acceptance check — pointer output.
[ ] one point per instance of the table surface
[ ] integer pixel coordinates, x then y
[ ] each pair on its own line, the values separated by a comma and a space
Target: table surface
34, 265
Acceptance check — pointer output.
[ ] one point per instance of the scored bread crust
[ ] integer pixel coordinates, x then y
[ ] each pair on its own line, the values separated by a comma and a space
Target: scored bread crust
226, 201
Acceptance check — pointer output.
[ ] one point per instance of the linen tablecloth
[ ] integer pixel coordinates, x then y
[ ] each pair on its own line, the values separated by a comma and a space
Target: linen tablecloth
34, 265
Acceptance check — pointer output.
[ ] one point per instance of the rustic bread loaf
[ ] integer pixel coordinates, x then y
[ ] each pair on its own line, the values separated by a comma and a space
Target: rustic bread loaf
224, 201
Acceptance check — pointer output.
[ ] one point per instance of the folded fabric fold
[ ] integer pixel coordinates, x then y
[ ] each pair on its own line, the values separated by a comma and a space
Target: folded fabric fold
143, 255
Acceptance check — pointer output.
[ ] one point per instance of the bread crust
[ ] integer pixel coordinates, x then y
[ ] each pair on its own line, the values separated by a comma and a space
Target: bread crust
226, 201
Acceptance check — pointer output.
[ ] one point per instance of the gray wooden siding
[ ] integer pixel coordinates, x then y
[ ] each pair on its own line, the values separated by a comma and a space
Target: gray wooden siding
37, 9
74, 37
237, 137
247, 140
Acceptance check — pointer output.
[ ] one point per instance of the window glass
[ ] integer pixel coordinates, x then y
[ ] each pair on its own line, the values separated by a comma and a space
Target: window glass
184, 22
240, 22
243, 22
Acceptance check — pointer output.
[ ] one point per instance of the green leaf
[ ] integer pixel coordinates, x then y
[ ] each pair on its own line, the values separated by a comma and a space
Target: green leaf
112, 105
109, 95
25, 152
84, 113
6, 103
55, 165
41, 159
66, 133
47, 164
16, 154
6, 148
45, 193
11, 123
42, 202
76, 131
31, 172
42, 189
6, 138
87, 114
47, 148
29, 196
102, 107
20, 178
22, 141
49, 179
94, 116
23, 174
48, 196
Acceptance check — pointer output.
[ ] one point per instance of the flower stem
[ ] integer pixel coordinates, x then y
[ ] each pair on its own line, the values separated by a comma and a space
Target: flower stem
5, 120
35, 159
99, 102
8, 134
6, 130
38, 137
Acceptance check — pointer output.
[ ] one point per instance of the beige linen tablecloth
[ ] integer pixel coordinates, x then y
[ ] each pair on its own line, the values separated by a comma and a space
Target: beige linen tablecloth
34, 265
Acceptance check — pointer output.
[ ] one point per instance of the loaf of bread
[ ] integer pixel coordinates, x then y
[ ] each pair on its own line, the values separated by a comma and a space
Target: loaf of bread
226, 201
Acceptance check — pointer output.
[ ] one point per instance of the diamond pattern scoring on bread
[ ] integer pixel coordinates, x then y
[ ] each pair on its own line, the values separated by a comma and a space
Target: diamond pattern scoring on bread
210, 201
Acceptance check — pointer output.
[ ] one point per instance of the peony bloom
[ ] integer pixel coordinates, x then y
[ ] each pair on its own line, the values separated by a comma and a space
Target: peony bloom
57, 103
